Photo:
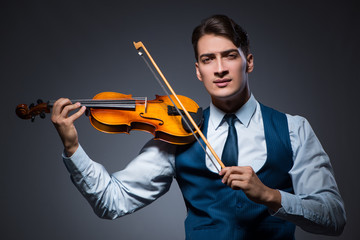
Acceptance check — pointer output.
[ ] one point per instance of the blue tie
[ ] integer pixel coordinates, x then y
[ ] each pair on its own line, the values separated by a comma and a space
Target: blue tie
230, 152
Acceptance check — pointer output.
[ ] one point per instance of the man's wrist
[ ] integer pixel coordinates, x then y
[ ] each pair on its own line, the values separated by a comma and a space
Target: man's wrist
69, 151
273, 200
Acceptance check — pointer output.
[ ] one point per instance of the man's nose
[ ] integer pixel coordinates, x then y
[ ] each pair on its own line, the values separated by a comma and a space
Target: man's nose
221, 69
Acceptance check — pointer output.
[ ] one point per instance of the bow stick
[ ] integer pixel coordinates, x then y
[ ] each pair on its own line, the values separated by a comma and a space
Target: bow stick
139, 45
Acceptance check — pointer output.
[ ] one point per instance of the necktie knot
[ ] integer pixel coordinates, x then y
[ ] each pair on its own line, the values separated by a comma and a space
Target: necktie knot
230, 119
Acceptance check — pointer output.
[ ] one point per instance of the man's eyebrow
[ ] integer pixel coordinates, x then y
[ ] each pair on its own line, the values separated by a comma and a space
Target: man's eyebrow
222, 53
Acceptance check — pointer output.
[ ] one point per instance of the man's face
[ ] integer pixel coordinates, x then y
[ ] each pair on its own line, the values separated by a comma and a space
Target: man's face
222, 67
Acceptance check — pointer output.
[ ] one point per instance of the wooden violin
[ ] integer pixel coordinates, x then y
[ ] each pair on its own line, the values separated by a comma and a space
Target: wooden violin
113, 112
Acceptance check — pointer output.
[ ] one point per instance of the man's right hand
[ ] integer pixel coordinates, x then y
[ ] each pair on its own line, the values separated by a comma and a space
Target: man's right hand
64, 123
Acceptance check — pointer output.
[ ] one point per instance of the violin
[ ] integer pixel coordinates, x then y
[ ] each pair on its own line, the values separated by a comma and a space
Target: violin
112, 112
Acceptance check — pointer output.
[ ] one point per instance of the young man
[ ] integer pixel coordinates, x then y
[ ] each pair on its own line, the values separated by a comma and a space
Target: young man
277, 173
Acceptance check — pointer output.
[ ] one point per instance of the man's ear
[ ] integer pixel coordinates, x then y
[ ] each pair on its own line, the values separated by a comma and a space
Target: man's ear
198, 74
249, 63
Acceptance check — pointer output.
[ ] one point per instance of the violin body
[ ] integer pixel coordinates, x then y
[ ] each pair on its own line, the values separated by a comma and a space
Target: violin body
153, 117
112, 112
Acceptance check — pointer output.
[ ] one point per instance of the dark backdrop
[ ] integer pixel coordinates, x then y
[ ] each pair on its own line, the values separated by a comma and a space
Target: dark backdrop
306, 63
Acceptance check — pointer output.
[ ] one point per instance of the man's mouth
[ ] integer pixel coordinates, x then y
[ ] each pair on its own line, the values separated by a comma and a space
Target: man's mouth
223, 82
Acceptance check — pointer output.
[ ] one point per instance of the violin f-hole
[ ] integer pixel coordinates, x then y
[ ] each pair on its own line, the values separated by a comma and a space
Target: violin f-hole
161, 122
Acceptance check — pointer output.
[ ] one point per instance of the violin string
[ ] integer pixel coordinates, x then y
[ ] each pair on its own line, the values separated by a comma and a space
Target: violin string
178, 110
109, 103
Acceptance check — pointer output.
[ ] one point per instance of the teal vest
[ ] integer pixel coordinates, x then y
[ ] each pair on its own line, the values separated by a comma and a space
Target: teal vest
214, 210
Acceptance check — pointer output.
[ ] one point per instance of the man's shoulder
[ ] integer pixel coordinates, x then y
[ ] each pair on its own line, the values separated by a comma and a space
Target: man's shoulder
298, 124
295, 122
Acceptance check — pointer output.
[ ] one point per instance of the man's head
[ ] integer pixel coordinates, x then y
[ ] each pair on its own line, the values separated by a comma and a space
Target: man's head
223, 61
221, 25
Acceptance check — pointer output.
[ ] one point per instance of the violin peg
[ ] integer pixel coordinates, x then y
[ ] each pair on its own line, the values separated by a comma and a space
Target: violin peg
25, 112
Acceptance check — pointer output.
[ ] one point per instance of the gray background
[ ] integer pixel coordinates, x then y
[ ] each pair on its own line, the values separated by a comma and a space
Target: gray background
306, 63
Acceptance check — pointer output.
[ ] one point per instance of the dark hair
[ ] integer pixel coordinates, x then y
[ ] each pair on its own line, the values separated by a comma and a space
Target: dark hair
223, 26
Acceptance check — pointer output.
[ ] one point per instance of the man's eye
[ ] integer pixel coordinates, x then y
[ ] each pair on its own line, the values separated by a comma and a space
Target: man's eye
232, 56
205, 60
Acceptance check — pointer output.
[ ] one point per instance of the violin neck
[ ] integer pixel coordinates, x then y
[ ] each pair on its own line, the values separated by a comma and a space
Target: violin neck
127, 104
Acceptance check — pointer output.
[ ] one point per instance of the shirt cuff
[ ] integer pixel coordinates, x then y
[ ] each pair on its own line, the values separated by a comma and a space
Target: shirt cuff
78, 162
290, 205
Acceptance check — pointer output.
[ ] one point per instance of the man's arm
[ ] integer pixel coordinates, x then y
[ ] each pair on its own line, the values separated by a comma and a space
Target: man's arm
316, 205
145, 179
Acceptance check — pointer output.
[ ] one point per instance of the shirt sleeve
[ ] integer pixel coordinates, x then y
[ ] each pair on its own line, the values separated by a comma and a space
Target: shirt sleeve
316, 205
145, 179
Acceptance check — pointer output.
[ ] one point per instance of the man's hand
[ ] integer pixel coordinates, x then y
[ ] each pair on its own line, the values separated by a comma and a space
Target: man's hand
245, 179
64, 123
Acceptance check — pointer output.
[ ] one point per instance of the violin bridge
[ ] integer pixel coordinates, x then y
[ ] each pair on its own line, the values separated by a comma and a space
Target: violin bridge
145, 104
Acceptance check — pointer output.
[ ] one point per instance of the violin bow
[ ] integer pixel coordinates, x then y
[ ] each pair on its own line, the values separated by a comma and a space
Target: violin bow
139, 45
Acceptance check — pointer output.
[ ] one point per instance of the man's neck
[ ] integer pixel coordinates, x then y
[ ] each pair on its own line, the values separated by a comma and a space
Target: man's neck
233, 103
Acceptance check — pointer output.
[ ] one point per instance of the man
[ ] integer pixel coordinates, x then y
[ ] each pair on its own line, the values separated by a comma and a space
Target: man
277, 173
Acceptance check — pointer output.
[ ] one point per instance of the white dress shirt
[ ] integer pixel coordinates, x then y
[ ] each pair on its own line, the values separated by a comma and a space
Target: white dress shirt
251, 137
316, 205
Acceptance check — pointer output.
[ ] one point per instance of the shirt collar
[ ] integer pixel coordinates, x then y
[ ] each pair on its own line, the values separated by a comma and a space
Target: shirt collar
244, 114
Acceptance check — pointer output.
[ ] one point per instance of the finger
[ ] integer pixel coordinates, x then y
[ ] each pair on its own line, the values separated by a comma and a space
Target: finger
77, 114
68, 108
228, 171
233, 177
59, 105
223, 173
236, 185
238, 171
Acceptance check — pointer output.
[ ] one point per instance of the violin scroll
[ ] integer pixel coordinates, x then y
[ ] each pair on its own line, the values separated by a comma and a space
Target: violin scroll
25, 112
